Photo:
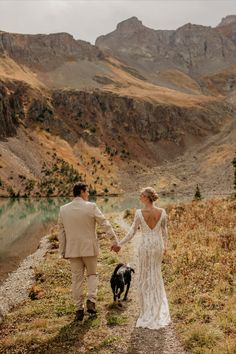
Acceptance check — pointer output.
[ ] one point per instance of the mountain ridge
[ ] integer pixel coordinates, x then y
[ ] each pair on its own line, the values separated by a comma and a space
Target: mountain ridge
123, 107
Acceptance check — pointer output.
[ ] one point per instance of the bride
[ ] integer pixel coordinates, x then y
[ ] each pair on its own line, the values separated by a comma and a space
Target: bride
154, 310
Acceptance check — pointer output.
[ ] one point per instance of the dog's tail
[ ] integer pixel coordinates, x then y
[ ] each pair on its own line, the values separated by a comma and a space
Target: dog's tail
117, 268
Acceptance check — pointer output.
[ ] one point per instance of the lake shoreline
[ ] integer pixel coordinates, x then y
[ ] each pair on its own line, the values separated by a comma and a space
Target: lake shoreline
198, 274
19, 281
25, 220
15, 289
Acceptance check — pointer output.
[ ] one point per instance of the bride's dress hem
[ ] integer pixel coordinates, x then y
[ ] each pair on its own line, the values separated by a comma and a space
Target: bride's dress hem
143, 325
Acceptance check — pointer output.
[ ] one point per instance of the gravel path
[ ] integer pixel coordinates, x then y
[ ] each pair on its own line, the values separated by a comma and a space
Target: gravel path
16, 287
143, 341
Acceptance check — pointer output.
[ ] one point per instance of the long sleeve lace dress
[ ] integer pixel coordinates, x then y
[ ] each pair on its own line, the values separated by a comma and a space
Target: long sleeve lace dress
154, 309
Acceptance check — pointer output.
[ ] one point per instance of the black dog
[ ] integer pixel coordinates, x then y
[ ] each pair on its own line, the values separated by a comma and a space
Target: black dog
121, 277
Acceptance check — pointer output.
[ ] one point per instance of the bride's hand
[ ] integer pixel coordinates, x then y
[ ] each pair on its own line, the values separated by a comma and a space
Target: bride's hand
115, 248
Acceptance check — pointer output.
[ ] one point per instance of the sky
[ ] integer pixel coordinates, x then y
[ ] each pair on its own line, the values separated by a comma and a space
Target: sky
89, 19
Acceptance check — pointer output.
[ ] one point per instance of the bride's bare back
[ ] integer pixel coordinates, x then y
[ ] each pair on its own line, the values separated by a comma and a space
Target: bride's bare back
151, 216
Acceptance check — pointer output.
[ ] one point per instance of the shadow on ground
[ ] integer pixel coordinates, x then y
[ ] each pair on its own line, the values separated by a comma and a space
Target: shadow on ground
70, 336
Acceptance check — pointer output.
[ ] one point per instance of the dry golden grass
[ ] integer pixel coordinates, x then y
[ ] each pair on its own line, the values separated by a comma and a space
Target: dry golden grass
179, 79
47, 325
199, 273
10, 70
93, 164
80, 156
198, 269
128, 85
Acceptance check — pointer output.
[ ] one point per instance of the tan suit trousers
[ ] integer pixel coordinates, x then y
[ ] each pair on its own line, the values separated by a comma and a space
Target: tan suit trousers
78, 266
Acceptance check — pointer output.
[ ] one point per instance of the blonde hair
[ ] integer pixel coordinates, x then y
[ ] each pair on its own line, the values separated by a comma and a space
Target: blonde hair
150, 193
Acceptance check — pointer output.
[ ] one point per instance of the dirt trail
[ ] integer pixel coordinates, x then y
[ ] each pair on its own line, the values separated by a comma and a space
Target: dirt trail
143, 341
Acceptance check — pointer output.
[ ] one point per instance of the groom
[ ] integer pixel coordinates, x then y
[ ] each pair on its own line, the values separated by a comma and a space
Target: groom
78, 242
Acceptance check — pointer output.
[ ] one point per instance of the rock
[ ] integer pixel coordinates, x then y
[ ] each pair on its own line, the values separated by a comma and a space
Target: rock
46, 52
36, 292
227, 27
195, 49
227, 20
11, 108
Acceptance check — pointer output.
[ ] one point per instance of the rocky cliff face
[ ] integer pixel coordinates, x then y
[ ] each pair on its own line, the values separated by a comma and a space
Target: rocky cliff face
102, 117
227, 20
46, 52
21, 105
228, 27
117, 119
194, 49
11, 108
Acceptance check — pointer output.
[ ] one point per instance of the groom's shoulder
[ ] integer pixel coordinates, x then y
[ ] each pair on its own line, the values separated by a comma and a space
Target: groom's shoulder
90, 204
65, 206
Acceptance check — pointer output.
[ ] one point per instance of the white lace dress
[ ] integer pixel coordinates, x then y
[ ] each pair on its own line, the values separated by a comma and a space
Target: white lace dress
154, 309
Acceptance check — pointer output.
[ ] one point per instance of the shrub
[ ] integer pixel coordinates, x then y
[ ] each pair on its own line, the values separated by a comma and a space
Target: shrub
11, 192
234, 165
106, 190
197, 195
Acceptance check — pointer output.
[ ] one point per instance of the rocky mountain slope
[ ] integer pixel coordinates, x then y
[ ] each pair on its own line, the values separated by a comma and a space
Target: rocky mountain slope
192, 49
137, 102
228, 27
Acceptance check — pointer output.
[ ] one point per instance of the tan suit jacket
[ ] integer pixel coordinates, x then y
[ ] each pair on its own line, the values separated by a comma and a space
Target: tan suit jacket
77, 229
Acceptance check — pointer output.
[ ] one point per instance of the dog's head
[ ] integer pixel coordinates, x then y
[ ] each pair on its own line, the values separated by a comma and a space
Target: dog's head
130, 268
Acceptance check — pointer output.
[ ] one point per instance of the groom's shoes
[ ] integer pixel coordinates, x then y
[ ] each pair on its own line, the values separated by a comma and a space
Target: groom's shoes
79, 315
91, 307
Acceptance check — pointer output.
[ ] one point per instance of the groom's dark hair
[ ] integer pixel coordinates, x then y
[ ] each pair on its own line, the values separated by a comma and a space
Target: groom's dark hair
78, 187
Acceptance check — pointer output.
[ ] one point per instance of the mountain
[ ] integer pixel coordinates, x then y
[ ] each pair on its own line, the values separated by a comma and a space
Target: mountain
54, 60
193, 49
142, 105
228, 27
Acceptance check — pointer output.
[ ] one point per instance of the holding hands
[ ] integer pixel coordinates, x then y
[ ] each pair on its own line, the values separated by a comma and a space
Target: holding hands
115, 247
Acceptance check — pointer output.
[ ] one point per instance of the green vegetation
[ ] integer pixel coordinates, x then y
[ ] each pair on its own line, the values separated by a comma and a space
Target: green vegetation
58, 178
11, 192
106, 190
112, 151
45, 322
92, 191
197, 195
127, 213
116, 320
124, 154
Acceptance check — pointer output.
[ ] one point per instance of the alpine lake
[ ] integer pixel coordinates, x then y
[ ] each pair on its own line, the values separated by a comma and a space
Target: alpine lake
23, 222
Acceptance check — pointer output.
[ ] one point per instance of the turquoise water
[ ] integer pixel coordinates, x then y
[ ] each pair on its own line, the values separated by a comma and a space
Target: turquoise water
24, 221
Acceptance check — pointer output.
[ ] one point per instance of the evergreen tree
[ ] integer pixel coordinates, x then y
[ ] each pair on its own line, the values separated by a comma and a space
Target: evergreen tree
197, 195
234, 164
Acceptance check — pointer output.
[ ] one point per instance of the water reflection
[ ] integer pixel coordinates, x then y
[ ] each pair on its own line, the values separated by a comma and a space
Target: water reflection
24, 221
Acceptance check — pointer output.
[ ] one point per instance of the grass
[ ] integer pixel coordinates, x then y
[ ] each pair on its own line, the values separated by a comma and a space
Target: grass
116, 320
46, 324
199, 272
